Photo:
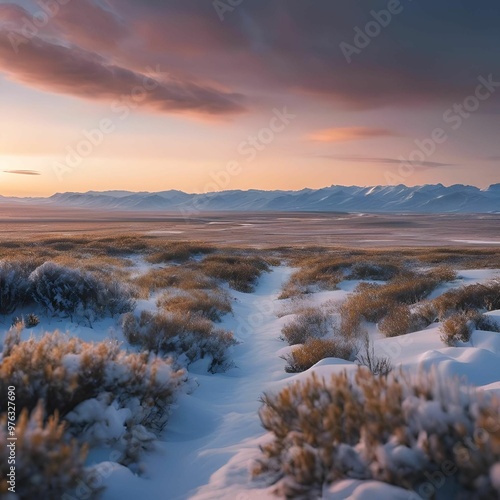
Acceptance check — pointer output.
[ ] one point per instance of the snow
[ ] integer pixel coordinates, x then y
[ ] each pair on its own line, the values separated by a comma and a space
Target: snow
214, 432
366, 490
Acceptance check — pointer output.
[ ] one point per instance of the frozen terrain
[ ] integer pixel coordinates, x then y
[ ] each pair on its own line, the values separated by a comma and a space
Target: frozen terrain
214, 432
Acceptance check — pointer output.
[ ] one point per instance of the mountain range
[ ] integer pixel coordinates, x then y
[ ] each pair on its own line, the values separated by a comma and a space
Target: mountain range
434, 198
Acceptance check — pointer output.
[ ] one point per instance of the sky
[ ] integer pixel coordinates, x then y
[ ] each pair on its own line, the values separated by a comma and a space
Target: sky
151, 95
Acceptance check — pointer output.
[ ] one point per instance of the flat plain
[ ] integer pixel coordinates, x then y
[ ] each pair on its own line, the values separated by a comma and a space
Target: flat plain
258, 229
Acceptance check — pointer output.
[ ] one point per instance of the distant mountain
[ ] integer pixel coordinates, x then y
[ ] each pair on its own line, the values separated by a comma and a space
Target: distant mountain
396, 199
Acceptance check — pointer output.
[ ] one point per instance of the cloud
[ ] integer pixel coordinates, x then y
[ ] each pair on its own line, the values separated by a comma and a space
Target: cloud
69, 69
386, 161
431, 53
23, 172
343, 134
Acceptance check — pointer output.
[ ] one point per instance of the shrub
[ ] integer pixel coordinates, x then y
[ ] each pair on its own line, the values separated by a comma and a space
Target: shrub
486, 323
397, 429
69, 292
14, 286
173, 277
32, 320
310, 323
479, 296
48, 463
314, 350
190, 335
290, 290
211, 305
179, 251
240, 271
400, 320
372, 271
460, 326
67, 373
457, 328
373, 302
313, 272
376, 365
427, 311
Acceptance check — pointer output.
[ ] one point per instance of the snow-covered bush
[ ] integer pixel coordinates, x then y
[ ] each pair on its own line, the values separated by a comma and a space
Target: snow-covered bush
460, 326
400, 320
112, 394
314, 350
186, 335
13, 286
398, 429
48, 463
309, 323
211, 305
457, 328
69, 292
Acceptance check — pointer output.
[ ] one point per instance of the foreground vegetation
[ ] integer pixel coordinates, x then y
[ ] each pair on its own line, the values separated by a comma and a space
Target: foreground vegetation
166, 300
397, 429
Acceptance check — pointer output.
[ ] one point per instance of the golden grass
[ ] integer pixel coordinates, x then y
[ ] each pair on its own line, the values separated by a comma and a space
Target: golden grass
179, 251
314, 350
309, 323
181, 277
240, 271
211, 305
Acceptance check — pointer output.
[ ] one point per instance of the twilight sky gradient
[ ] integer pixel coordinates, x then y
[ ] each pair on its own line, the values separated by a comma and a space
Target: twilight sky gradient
282, 94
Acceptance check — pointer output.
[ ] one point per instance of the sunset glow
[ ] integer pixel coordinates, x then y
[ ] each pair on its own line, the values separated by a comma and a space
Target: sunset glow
163, 95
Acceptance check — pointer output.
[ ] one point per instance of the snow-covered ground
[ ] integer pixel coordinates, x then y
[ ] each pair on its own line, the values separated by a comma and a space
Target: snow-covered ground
214, 432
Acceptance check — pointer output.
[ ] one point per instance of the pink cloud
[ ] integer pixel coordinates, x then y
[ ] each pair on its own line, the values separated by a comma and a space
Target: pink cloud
71, 70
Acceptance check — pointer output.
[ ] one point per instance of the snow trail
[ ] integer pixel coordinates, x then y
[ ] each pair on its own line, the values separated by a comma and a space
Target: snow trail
211, 435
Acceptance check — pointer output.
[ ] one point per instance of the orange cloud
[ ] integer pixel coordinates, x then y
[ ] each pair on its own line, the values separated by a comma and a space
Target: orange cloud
342, 134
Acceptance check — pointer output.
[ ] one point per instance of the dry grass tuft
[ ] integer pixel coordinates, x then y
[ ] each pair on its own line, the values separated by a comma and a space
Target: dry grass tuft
386, 303
460, 326
180, 277
179, 251
479, 296
314, 350
239, 271
309, 323
211, 305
